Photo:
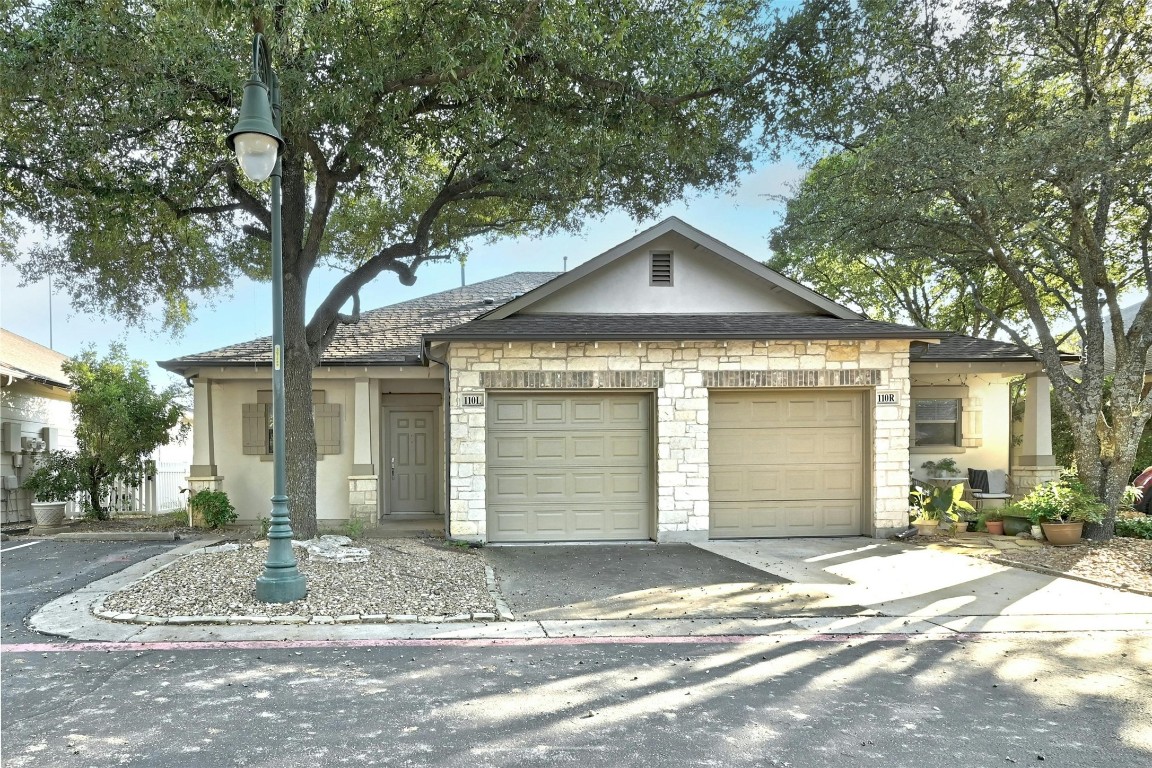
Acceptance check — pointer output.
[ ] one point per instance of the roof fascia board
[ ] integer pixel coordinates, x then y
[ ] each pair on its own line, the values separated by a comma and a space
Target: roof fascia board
676, 225
921, 336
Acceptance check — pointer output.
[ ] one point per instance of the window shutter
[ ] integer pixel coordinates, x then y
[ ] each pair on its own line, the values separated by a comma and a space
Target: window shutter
327, 420
255, 429
973, 424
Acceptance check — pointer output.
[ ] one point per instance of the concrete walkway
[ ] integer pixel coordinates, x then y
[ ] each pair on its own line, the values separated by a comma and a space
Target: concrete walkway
834, 586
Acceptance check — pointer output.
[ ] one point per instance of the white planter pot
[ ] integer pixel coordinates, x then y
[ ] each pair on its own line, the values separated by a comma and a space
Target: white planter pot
49, 514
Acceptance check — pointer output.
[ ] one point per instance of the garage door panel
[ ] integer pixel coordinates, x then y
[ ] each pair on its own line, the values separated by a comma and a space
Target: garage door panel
785, 446
510, 412
795, 518
582, 471
786, 464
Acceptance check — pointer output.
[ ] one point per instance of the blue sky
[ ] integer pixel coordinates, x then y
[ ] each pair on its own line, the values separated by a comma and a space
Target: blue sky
743, 220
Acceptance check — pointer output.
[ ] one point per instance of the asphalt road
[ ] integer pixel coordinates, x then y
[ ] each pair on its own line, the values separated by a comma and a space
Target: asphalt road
32, 575
792, 702
1082, 700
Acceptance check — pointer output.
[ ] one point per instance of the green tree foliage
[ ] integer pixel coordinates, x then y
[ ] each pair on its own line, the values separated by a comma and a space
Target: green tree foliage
1003, 148
120, 419
411, 126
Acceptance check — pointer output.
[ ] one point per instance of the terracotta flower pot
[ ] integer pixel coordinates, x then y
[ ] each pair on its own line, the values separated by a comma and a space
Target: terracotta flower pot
1063, 534
995, 527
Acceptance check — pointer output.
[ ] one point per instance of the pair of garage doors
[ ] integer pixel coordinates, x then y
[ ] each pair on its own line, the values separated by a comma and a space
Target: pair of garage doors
577, 467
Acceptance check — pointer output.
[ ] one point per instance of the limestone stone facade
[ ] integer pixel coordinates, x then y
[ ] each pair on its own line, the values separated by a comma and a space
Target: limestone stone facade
362, 498
680, 374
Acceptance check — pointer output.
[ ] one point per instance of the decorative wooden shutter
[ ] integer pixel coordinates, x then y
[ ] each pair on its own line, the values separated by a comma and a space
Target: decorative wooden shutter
972, 425
255, 429
327, 420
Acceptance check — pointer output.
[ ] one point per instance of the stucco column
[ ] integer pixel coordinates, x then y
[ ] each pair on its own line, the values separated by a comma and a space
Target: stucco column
1035, 464
1036, 450
362, 428
203, 447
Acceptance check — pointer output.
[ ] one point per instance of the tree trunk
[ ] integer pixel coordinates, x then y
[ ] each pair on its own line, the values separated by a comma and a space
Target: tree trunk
300, 432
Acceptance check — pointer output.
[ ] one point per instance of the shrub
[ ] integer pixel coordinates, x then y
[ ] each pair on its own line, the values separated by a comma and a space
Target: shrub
55, 478
354, 528
1136, 528
214, 507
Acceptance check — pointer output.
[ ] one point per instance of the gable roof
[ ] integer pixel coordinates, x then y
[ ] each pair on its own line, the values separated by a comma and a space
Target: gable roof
391, 335
675, 225
23, 358
957, 348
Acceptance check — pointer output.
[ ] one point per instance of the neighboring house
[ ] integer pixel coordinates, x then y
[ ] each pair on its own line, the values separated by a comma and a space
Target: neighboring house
35, 415
671, 388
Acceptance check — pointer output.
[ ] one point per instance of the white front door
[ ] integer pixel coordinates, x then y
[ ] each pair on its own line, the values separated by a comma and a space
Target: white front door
411, 469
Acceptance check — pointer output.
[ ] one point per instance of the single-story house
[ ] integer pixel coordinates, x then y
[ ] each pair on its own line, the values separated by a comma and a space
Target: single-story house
669, 389
35, 416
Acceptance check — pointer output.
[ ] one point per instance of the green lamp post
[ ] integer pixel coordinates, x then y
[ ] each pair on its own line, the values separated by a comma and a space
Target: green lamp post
258, 145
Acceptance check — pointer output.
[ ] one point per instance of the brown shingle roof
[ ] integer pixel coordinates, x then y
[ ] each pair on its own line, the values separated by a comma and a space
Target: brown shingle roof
25, 359
389, 335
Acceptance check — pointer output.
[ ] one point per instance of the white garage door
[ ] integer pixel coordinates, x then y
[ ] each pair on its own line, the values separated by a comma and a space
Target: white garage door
786, 464
567, 467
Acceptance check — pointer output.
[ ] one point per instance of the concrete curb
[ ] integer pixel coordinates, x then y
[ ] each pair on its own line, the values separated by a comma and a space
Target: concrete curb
119, 536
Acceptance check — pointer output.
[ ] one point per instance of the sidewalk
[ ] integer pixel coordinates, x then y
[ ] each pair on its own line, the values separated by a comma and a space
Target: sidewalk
855, 585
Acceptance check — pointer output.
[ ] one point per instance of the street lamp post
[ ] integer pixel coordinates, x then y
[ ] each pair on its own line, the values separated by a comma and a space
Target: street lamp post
258, 145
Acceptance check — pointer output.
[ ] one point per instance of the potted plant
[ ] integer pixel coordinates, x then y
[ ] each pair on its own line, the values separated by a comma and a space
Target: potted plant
945, 467
931, 505
1060, 508
54, 482
992, 522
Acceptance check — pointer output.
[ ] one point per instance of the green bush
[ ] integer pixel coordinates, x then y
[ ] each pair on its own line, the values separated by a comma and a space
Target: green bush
354, 528
214, 507
55, 478
1135, 528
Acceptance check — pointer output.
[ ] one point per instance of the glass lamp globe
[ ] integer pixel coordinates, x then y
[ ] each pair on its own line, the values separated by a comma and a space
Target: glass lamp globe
256, 153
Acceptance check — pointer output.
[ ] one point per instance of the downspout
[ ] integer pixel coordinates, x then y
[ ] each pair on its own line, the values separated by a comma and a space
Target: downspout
447, 437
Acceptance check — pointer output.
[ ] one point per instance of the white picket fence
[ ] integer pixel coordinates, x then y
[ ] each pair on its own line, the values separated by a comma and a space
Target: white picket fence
156, 495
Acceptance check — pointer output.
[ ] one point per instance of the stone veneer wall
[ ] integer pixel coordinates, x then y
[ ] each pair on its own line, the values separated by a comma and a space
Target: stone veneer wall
679, 374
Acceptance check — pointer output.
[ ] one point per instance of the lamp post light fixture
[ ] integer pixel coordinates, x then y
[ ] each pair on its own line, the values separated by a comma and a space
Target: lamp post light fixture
258, 145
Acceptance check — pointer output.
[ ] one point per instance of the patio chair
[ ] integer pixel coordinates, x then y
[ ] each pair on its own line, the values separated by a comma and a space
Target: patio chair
988, 485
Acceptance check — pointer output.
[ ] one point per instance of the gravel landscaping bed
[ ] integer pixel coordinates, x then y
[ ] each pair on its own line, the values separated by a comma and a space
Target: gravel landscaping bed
1123, 562
402, 577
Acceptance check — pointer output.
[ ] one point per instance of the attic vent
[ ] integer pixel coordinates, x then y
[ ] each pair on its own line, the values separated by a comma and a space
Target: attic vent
661, 273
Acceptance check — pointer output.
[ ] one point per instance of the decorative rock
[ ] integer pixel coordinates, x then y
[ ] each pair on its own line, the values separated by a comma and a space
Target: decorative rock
350, 618
334, 549
458, 617
483, 617
230, 547
323, 620
404, 618
375, 618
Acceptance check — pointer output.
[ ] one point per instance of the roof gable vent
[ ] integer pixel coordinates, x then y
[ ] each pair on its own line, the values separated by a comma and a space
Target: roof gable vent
660, 269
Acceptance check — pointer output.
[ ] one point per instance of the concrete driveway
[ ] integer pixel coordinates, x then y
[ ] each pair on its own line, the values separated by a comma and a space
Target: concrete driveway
858, 579
644, 581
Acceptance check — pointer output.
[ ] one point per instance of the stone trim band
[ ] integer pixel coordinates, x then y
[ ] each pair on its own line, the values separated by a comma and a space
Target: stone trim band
860, 377
572, 379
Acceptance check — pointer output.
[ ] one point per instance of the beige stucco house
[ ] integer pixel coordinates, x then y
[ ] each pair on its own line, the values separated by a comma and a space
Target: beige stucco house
670, 389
